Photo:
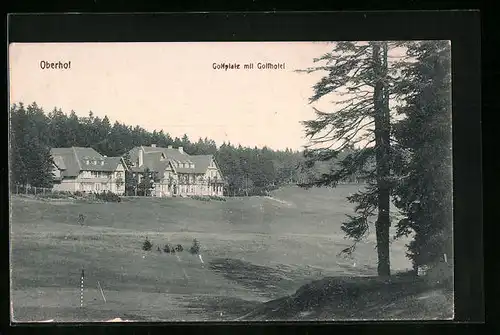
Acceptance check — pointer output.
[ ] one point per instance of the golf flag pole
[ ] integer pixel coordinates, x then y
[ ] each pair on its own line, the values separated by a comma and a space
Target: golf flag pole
81, 288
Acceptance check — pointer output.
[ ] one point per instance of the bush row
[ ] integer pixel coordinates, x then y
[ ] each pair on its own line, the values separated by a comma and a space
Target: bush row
104, 196
255, 191
107, 196
171, 249
208, 197
56, 195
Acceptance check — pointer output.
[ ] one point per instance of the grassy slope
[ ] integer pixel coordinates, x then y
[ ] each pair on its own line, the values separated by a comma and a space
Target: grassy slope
402, 297
254, 250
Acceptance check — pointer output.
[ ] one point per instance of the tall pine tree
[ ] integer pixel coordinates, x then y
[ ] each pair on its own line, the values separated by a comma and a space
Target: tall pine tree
359, 72
31, 162
424, 193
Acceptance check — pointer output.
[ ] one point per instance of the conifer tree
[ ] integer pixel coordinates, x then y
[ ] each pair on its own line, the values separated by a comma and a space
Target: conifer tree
31, 162
359, 72
131, 183
245, 169
424, 192
148, 179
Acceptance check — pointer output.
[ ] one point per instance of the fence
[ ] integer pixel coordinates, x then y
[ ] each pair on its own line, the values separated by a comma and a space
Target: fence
30, 190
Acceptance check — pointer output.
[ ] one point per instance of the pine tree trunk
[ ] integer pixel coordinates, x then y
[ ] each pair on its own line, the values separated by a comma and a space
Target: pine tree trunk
382, 134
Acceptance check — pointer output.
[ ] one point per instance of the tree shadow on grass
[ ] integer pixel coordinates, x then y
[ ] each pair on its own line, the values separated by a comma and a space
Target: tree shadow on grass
263, 280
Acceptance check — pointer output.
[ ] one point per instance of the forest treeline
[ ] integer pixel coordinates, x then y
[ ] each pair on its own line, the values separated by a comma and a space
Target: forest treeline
247, 170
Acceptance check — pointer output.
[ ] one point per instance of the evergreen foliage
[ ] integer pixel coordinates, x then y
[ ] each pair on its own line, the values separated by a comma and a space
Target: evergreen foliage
359, 72
108, 197
424, 192
31, 162
147, 245
402, 152
195, 248
168, 248
146, 186
248, 171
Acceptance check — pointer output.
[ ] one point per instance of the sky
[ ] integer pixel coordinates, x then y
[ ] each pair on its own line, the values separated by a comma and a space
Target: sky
173, 87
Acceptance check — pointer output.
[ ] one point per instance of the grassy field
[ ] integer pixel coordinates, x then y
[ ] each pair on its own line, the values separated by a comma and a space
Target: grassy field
253, 250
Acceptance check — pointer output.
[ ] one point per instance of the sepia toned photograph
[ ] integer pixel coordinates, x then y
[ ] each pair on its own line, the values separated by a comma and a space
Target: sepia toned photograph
231, 181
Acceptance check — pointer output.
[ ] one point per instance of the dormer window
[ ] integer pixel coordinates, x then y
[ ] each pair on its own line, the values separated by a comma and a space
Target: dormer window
102, 163
87, 162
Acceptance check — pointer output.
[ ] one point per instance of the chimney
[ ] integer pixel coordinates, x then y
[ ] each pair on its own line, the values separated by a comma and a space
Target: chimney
181, 150
153, 145
141, 157
169, 147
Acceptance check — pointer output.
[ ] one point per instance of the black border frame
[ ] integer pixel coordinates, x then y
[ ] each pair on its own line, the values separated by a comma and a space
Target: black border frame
461, 27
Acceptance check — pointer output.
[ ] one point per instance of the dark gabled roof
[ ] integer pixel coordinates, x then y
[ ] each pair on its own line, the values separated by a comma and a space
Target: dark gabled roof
112, 163
201, 162
59, 162
74, 159
152, 160
70, 158
170, 153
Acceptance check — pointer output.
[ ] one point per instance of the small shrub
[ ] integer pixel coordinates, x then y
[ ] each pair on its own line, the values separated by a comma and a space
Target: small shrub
179, 248
195, 248
147, 245
158, 249
201, 198
108, 197
168, 248
78, 194
216, 198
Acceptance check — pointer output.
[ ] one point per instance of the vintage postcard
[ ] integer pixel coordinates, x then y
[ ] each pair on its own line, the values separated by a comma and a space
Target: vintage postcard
231, 181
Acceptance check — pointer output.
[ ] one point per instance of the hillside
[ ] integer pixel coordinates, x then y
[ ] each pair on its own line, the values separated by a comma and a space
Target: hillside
360, 298
254, 250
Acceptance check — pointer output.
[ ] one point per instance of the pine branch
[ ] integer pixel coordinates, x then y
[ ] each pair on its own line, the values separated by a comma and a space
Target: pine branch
349, 250
356, 227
